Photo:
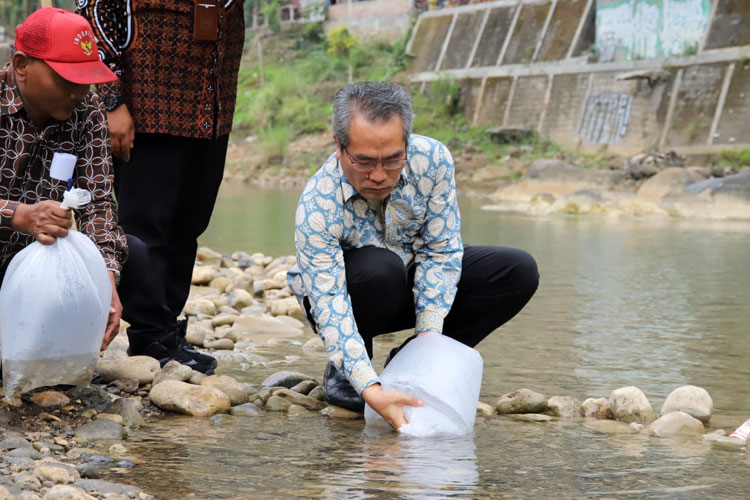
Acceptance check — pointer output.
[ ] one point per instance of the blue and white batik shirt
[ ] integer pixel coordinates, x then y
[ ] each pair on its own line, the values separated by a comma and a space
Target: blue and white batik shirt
420, 223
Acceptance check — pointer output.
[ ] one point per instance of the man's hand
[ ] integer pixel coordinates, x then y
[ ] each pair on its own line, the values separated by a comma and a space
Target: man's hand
121, 131
115, 313
389, 404
45, 221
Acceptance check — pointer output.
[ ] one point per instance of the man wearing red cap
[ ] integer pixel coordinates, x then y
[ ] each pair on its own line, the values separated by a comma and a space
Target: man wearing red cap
170, 114
46, 108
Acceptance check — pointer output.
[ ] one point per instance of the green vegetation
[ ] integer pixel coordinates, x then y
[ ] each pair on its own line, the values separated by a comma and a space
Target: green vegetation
735, 158
302, 71
13, 12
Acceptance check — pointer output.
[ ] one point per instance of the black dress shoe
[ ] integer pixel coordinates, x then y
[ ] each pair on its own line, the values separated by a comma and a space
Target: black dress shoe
338, 391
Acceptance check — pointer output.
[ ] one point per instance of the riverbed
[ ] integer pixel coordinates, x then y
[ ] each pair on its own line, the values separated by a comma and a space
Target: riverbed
652, 302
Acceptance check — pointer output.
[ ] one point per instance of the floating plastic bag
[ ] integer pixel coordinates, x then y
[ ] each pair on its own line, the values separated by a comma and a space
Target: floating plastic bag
446, 375
54, 303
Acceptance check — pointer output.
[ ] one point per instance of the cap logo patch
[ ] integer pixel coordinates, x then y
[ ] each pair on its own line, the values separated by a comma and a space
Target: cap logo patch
85, 40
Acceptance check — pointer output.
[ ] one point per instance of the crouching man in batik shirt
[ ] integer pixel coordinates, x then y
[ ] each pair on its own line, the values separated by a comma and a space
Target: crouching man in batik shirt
46, 108
379, 249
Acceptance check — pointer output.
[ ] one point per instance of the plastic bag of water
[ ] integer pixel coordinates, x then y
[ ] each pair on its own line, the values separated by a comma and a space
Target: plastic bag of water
54, 303
446, 375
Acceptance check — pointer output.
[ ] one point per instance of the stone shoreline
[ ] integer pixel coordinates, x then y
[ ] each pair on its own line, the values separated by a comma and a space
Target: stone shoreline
554, 186
57, 442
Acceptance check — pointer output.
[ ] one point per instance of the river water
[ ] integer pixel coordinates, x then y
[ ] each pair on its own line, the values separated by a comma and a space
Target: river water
655, 303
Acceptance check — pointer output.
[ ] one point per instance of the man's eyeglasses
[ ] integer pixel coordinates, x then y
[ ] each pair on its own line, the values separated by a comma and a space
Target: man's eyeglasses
366, 166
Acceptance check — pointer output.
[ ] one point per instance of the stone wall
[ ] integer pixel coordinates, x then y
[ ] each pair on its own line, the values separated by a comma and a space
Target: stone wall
533, 64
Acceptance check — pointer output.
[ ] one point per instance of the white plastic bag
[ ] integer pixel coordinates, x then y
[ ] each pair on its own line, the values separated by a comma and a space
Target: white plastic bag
446, 375
54, 303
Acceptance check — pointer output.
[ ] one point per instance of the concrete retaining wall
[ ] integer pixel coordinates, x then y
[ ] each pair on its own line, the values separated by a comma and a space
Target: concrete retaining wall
532, 63
386, 19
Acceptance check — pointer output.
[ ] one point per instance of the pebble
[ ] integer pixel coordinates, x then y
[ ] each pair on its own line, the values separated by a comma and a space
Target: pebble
485, 409
245, 410
47, 399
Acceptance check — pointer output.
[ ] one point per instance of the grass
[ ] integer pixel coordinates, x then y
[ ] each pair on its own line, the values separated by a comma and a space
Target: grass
301, 74
735, 158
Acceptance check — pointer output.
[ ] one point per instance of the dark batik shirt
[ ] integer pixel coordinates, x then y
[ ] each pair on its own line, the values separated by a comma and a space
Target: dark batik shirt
25, 157
171, 83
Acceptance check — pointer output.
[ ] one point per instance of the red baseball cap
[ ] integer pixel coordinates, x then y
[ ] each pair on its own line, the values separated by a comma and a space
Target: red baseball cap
66, 42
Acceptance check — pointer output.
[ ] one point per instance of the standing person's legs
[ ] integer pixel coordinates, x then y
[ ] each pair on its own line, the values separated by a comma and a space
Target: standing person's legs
148, 196
200, 186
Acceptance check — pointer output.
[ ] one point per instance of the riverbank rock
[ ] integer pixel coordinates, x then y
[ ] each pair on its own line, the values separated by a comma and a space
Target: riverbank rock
297, 399
695, 401
564, 407
669, 180
100, 430
521, 401
235, 391
57, 472
557, 178
173, 370
245, 410
721, 198
675, 423
202, 275
597, 408
67, 492
629, 404
141, 368
196, 400
485, 409
129, 409
199, 306
47, 399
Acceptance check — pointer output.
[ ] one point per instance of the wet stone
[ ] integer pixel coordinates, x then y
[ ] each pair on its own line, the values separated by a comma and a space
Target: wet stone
342, 413
67, 492
286, 379
485, 409
629, 404
47, 399
521, 401
245, 410
564, 407
100, 430
695, 401
674, 424
223, 420
104, 487
305, 387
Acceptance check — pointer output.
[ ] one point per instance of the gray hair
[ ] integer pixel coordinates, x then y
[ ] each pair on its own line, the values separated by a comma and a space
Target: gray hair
377, 101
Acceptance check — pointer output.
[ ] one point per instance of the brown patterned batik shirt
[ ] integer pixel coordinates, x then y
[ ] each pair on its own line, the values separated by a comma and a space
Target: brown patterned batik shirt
25, 157
171, 83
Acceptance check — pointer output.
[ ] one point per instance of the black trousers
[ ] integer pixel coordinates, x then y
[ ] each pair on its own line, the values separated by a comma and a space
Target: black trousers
166, 194
495, 284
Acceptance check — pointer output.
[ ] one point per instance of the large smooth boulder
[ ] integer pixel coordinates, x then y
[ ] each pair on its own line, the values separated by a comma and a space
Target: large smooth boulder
695, 401
141, 368
676, 423
235, 391
629, 404
196, 400
720, 198
669, 180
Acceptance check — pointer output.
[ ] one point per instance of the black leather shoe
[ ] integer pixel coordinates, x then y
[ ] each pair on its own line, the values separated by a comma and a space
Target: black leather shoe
338, 391
167, 349
180, 331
